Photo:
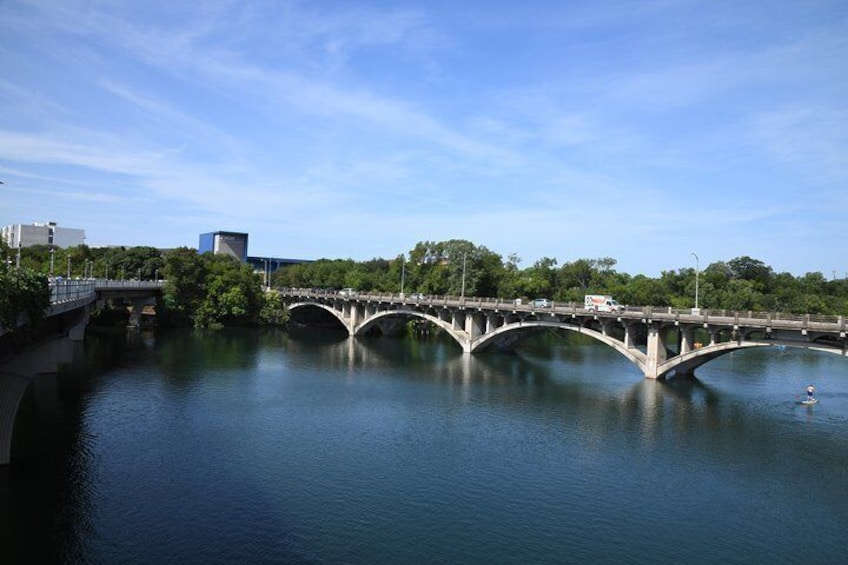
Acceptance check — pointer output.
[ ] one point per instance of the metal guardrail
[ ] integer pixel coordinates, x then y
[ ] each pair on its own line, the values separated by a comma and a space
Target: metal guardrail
62, 291
103, 284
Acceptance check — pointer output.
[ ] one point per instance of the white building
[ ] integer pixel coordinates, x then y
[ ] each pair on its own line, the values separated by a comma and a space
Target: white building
41, 234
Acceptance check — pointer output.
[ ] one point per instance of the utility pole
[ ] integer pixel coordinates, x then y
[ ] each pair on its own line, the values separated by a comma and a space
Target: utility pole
464, 257
697, 269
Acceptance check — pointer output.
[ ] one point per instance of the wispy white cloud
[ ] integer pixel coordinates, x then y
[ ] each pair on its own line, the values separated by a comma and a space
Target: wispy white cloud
812, 138
493, 124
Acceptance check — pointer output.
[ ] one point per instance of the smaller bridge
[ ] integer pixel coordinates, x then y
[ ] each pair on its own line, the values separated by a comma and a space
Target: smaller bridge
659, 340
71, 303
68, 296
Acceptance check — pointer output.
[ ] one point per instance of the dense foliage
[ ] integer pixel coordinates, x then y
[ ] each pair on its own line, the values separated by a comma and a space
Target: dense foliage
24, 297
215, 290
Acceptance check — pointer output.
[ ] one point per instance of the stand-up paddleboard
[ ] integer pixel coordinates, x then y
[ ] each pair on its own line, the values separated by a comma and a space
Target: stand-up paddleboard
810, 402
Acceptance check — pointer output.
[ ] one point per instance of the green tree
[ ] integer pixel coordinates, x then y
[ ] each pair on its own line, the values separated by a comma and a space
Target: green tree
540, 279
508, 278
753, 270
185, 287
273, 312
24, 297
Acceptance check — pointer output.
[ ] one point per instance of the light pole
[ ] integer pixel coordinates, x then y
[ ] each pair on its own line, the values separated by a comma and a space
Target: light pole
697, 271
402, 272
69, 267
464, 257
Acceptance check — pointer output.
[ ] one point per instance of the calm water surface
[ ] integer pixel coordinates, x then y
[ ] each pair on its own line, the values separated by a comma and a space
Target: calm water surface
251, 447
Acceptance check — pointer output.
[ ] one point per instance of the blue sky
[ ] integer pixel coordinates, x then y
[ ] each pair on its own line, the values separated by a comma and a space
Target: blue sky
642, 131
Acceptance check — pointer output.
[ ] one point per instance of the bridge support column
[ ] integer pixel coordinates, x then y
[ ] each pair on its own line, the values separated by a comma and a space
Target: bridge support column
352, 316
656, 351
138, 309
458, 320
713, 337
629, 335
687, 339
493, 322
474, 324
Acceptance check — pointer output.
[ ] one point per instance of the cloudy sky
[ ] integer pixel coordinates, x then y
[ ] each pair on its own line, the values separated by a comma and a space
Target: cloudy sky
638, 130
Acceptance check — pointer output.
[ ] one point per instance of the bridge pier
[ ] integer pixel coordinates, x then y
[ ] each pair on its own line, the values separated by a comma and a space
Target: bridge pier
138, 305
656, 350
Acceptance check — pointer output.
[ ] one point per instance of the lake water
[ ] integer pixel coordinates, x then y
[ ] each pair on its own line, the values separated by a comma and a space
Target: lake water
264, 447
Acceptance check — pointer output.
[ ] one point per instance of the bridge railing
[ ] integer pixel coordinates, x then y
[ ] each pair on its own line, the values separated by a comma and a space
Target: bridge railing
651, 312
62, 291
108, 284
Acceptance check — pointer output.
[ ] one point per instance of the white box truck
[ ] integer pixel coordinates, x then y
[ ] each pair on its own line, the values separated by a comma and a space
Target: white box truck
601, 303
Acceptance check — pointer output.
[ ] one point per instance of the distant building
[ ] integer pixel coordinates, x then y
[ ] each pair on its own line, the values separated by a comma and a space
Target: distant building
235, 244
19, 235
224, 243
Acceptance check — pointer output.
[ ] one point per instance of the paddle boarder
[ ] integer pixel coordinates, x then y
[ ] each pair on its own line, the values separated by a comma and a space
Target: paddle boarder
810, 390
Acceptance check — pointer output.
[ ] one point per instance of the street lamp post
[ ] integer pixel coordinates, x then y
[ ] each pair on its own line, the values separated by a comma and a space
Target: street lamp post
464, 257
697, 271
402, 272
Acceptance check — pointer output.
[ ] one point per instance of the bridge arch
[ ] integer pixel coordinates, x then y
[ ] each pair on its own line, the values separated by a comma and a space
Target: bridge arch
634, 355
336, 314
686, 363
458, 336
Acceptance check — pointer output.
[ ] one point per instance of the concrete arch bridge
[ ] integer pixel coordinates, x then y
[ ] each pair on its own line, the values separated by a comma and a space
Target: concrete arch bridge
660, 341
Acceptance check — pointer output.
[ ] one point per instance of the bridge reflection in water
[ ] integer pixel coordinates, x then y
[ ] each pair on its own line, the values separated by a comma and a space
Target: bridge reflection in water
659, 341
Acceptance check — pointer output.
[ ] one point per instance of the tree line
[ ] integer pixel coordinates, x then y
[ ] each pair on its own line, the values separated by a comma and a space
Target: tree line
459, 267
206, 290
